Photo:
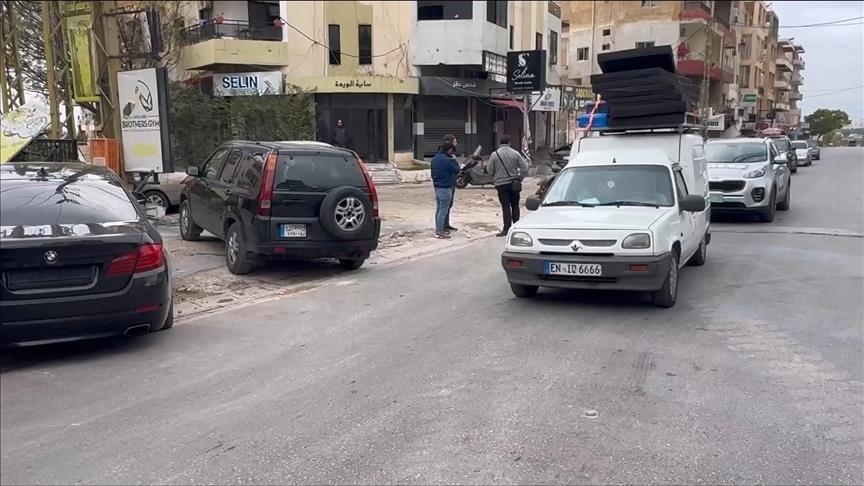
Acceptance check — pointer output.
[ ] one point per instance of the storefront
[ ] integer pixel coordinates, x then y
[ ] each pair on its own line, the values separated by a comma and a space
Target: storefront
376, 113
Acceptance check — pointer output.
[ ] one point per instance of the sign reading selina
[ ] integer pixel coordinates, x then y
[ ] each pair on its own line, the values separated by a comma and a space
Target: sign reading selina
144, 120
248, 84
526, 71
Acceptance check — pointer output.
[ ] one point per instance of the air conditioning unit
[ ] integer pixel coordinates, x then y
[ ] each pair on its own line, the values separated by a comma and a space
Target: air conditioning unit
202, 4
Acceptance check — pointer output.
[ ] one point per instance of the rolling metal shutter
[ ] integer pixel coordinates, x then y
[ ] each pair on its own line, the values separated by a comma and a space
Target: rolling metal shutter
443, 116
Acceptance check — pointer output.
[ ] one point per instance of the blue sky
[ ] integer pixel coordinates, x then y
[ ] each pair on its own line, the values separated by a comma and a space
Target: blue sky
835, 55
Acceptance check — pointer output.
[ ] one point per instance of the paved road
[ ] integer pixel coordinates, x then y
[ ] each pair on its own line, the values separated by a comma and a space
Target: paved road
430, 372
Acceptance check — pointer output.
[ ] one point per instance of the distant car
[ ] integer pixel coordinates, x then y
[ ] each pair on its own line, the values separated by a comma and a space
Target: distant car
815, 151
165, 194
802, 152
747, 175
561, 155
787, 152
283, 199
79, 257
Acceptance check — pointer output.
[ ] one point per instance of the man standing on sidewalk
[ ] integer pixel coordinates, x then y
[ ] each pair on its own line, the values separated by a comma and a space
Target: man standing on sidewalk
444, 171
508, 168
451, 139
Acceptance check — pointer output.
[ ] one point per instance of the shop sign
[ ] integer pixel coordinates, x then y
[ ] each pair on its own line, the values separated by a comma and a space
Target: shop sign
248, 84
747, 100
144, 120
574, 98
549, 100
526, 71
717, 123
352, 83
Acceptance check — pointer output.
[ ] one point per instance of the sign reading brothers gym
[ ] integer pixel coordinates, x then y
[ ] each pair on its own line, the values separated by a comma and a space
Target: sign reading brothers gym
526, 71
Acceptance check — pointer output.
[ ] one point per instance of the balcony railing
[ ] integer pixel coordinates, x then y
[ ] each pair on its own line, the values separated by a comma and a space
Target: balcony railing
783, 62
694, 10
231, 29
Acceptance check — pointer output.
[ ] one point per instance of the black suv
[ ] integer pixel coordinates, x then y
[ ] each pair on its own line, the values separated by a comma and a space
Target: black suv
282, 199
784, 145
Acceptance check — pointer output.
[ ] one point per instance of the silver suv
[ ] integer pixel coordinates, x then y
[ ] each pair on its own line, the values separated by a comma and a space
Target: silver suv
747, 175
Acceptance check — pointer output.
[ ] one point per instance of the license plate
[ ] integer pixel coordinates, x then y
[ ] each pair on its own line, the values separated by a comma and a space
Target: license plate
574, 269
292, 230
716, 197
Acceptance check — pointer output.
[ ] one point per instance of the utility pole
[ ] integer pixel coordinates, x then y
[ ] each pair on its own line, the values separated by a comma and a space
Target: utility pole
704, 94
11, 79
48, 41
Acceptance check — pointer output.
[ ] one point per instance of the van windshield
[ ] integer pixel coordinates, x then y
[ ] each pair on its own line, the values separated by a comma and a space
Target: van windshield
616, 185
735, 152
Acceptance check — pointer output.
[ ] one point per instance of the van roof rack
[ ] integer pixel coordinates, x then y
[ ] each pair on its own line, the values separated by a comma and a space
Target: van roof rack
681, 128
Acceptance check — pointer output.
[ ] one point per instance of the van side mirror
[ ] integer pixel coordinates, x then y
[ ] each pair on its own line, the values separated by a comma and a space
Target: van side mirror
532, 203
192, 171
693, 203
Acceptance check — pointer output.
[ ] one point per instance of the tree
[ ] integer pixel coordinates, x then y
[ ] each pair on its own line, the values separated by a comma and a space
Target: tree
132, 37
824, 121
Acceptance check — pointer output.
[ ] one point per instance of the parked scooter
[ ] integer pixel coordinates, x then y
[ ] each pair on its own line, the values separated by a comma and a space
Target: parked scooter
473, 173
547, 181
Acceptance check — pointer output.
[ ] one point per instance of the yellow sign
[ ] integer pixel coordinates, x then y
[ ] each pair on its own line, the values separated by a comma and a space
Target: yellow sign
358, 84
19, 126
79, 27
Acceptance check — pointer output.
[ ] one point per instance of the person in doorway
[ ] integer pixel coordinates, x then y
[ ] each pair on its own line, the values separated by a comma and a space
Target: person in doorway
508, 168
452, 140
340, 135
444, 171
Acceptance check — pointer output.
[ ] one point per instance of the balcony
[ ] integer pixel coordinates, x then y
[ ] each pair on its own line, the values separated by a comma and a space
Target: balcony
795, 95
781, 107
797, 79
695, 10
782, 84
784, 64
696, 68
798, 63
233, 42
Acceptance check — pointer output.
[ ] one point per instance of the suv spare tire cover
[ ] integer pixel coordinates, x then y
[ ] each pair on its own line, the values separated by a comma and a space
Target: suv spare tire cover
329, 205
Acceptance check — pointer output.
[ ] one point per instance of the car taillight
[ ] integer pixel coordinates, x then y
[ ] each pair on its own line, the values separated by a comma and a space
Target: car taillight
147, 257
265, 195
373, 193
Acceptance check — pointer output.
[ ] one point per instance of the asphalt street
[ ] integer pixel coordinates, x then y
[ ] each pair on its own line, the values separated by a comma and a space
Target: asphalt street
431, 372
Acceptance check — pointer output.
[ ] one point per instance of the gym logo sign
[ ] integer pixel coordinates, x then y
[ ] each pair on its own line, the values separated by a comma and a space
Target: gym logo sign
143, 120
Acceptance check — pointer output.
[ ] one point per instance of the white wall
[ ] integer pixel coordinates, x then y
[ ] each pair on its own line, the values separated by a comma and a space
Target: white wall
623, 36
456, 42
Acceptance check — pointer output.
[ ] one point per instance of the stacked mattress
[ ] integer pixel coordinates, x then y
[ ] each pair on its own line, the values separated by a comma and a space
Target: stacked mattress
642, 90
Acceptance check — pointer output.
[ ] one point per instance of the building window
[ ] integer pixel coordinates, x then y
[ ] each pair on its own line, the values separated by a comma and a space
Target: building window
364, 41
650, 3
538, 41
644, 44
496, 12
746, 46
512, 37
553, 48
443, 10
604, 47
334, 41
582, 54
744, 76
607, 32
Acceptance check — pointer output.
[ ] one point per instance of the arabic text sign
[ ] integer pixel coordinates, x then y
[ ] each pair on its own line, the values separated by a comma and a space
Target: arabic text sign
549, 100
248, 84
353, 83
141, 120
19, 126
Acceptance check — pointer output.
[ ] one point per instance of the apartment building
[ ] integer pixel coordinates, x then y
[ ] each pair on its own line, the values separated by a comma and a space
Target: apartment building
764, 73
460, 49
788, 87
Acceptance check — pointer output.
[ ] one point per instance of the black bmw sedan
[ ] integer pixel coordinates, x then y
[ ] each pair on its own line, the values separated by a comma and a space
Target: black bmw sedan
78, 257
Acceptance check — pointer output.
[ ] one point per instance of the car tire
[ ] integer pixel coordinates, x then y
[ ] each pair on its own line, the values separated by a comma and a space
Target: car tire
794, 167
524, 291
698, 259
784, 204
352, 263
169, 321
667, 295
236, 257
340, 211
767, 214
159, 198
189, 231
461, 181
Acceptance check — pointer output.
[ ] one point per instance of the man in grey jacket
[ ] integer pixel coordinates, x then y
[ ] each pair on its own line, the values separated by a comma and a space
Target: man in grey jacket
508, 167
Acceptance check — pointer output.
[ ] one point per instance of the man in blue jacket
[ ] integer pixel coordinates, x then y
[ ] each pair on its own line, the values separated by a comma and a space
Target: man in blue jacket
444, 172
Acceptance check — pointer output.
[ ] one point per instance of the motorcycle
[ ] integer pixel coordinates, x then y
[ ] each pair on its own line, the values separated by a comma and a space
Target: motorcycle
473, 173
547, 181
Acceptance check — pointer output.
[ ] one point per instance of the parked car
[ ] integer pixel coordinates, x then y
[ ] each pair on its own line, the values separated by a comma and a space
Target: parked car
626, 213
165, 194
283, 199
747, 175
787, 152
79, 257
561, 155
815, 151
802, 152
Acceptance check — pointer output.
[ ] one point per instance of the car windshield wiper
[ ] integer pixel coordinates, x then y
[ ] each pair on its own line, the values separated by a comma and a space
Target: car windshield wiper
569, 203
630, 203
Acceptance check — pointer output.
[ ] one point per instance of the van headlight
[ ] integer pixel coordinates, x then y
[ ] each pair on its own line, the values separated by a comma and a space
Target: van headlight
755, 174
520, 238
637, 241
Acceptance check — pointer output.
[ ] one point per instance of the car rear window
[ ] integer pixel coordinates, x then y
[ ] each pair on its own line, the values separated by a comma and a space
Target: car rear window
799, 145
317, 172
89, 199
812, 143
782, 144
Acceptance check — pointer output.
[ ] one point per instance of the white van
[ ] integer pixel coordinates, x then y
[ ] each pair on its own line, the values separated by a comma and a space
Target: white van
626, 213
